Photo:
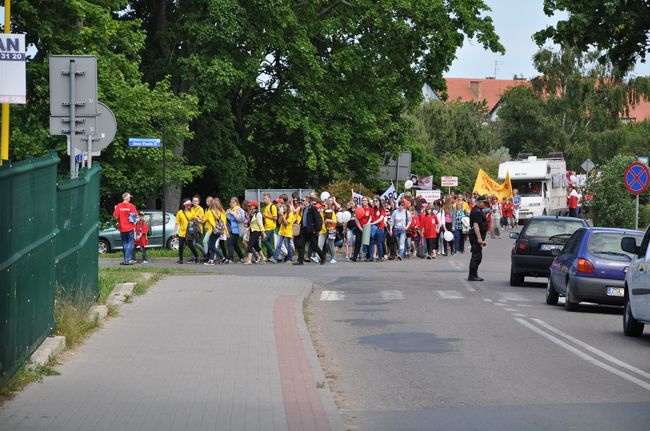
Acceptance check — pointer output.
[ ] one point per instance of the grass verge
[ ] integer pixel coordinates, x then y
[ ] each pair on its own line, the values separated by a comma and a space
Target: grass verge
24, 377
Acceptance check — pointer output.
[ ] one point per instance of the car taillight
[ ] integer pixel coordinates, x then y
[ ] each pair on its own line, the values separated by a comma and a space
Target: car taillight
585, 266
523, 245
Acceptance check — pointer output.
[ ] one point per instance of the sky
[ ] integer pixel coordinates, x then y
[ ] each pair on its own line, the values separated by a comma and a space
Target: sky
514, 22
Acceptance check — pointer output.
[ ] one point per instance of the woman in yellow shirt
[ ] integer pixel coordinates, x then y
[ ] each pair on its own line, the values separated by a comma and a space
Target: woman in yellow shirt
329, 222
286, 219
184, 216
256, 231
213, 224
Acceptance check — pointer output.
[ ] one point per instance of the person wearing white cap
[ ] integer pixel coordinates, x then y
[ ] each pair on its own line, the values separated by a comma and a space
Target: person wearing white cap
184, 218
126, 216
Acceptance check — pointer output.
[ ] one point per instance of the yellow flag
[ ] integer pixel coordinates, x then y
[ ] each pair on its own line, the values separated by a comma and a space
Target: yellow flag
485, 185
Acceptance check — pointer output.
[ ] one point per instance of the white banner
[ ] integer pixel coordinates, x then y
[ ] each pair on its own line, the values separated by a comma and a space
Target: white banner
389, 194
356, 197
429, 195
13, 60
422, 183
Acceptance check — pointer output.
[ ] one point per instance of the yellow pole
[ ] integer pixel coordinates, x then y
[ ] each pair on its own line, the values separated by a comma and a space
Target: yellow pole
4, 133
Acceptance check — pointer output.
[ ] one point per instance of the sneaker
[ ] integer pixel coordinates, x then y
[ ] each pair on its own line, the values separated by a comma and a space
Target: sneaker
399, 257
124, 263
145, 261
257, 258
132, 262
209, 262
180, 262
429, 257
333, 261
316, 259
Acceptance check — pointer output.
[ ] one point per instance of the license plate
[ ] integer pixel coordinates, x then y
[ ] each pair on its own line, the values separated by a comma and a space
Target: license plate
615, 291
549, 247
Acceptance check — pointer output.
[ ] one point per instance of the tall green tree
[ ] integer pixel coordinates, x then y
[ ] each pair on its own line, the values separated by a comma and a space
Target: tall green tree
299, 93
619, 29
94, 28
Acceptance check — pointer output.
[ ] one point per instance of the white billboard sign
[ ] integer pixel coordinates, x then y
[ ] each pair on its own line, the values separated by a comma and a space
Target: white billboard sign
449, 181
429, 195
13, 58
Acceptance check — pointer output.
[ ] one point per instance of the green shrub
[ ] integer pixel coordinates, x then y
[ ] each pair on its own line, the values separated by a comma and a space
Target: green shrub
613, 205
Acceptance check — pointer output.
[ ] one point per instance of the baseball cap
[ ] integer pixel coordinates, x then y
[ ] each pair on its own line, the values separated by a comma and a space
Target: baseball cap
187, 202
126, 195
253, 204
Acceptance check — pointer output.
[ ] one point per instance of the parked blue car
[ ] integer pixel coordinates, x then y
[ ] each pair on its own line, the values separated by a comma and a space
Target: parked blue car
591, 267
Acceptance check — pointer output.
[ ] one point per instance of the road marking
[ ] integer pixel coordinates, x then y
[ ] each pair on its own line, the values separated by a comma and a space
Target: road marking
593, 350
530, 305
583, 355
487, 300
332, 295
450, 294
500, 304
468, 287
515, 297
518, 315
392, 295
512, 310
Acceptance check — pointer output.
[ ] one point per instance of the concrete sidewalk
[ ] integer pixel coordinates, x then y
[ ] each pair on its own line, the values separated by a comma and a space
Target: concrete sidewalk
195, 353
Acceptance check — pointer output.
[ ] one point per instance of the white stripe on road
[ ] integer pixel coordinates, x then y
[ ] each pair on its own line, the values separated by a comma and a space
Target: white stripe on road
449, 294
518, 315
332, 295
468, 287
593, 350
487, 300
516, 297
392, 295
512, 310
583, 355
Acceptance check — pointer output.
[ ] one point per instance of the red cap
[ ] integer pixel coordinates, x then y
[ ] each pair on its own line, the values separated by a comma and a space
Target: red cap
278, 200
319, 206
406, 203
253, 204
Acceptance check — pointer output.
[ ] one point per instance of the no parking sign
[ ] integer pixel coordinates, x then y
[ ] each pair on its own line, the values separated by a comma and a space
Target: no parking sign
636, 178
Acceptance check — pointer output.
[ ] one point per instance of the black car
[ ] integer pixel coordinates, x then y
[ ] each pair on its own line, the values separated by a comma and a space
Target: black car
538, 243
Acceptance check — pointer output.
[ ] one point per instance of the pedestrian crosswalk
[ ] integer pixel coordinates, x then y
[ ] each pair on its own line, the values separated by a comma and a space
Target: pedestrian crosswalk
502, 299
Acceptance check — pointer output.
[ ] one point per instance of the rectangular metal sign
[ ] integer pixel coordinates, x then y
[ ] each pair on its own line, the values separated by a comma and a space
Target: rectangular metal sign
449, 181
144, 142
13, 59
85, 85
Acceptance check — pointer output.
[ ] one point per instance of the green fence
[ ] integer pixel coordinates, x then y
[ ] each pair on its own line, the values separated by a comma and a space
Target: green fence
48, 233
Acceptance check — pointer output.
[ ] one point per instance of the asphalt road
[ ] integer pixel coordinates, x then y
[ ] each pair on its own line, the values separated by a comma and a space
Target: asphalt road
411, 345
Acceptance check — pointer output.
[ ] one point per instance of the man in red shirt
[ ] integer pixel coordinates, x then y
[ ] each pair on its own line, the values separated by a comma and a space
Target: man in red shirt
126, 216
362, 218
573, 202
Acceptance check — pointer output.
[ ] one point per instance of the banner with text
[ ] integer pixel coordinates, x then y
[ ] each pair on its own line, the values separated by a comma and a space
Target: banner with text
485, 185
389, 194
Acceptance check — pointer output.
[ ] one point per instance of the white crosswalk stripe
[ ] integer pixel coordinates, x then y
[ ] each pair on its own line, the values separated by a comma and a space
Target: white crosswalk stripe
450, 294
392, 295
332, 295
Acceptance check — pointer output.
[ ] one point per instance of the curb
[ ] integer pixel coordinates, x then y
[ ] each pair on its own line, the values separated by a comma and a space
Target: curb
120, 293
49, 348
333, 416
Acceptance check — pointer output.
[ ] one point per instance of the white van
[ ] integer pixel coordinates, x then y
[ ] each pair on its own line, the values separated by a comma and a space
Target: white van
637, 286
541, 184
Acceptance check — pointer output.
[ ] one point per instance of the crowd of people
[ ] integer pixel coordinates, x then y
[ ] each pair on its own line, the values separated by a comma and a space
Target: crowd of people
315, 230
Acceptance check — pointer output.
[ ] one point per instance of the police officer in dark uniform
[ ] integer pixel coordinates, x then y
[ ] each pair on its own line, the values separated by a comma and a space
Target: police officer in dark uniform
478, 230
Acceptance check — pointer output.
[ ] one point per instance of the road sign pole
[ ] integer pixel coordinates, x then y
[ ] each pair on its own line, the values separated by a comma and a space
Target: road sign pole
4, 133
636, 217
164, 184
73, 120
90, 151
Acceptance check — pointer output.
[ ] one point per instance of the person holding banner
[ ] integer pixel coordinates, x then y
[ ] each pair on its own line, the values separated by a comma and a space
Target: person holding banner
362, 218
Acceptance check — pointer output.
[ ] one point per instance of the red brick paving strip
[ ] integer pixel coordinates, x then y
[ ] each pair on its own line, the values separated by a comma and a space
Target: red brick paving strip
302, 402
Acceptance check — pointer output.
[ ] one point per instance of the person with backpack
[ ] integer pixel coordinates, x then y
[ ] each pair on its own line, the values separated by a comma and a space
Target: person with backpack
126, 216
186, 228
236, 222
285, 221
140, 235
256, 231
270, 216
214, 226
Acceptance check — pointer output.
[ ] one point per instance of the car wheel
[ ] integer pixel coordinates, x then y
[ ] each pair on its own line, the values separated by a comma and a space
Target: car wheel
104, 246
172, 243
516, 279
551, 295
631, 326
569, 305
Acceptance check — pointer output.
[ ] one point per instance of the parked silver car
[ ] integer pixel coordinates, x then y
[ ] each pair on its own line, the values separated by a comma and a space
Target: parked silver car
637, 286
109, 239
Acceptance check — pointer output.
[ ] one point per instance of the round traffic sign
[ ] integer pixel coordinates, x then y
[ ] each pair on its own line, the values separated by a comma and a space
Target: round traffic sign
636, 178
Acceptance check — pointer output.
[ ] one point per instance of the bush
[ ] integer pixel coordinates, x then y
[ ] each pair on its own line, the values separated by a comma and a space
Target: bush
613, 205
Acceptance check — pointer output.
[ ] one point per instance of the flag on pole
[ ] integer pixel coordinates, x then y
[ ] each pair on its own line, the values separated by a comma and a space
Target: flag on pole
485, 185
389, 194
356, 197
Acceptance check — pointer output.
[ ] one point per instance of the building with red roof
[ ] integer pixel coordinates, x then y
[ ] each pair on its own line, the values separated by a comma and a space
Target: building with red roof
491, 90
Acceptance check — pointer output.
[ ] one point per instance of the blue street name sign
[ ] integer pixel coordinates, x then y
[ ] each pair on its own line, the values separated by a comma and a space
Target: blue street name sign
144, 142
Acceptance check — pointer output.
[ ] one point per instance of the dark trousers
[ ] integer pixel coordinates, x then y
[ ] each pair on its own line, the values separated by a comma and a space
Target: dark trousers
431, 245
233, 246
181, 247
477, 254
312, 239
358, 233
254, 242
573, 212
